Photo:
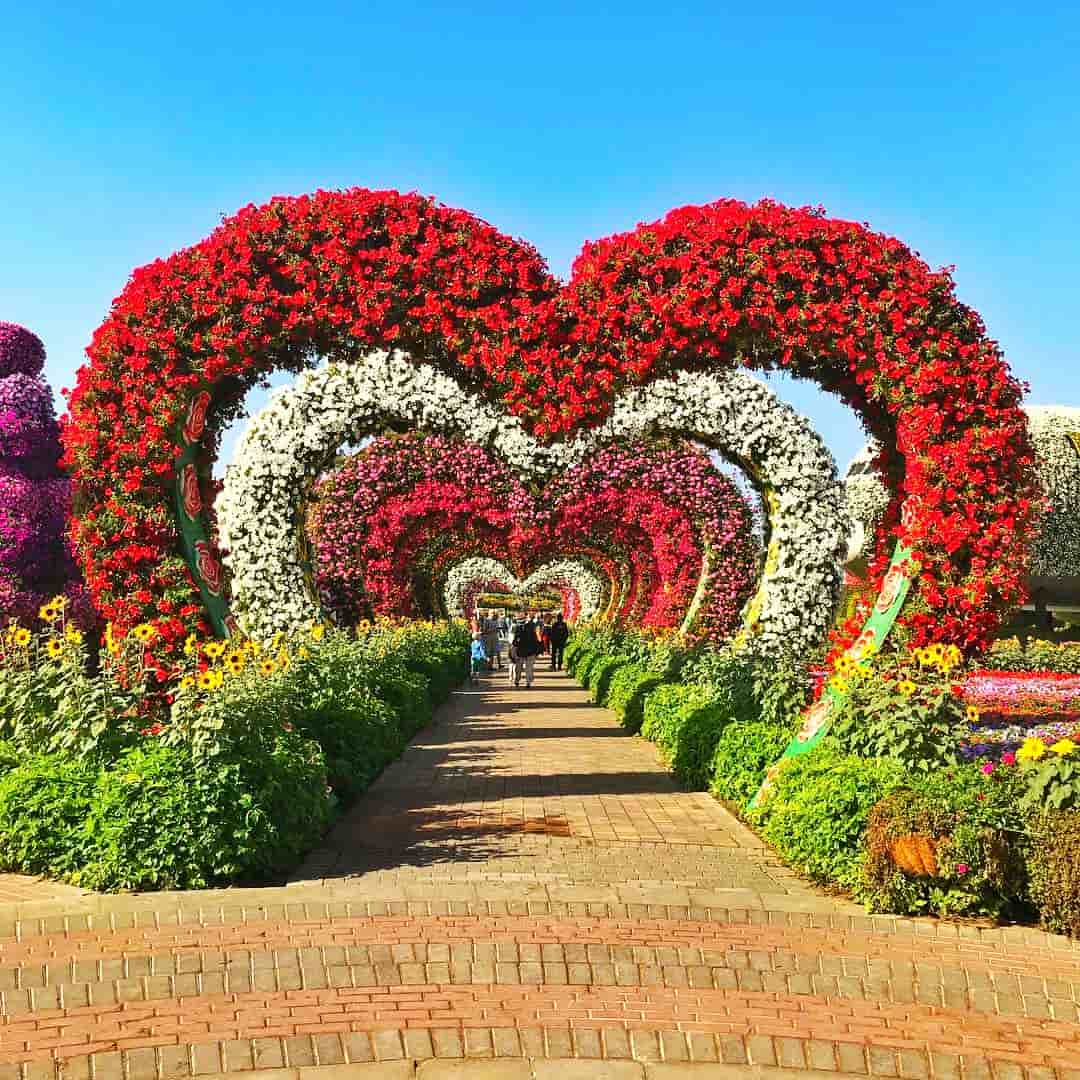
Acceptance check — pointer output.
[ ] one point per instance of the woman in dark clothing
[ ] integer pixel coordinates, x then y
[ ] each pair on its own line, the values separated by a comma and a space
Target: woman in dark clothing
526, 645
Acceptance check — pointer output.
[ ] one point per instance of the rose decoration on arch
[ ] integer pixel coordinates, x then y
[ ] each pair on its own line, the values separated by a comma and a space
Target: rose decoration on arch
705, 289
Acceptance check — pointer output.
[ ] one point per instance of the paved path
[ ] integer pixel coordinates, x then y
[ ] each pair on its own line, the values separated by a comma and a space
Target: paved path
524, 895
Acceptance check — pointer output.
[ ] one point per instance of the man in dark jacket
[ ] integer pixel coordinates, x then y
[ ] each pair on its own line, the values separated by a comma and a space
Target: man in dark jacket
558, 632
525, 647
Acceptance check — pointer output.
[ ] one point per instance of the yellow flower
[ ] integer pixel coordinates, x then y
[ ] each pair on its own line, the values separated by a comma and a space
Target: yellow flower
906, 687
211, 680
235, 661
283, 660
1063, 747
953, 655
191, 645
839, 684
318, 632
54, 647
279, 640
844, 664
267, 667
59, 602
303, 652
143, 632
922, 657
21, 637
972, 714
214, 649
186, 682
48, 613
74, 635
1032, 750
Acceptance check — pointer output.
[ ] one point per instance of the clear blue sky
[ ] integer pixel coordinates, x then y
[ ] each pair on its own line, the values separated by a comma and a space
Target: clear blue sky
128, 130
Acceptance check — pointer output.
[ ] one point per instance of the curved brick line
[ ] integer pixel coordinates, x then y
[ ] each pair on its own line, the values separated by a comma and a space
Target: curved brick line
94, 946
244, 1016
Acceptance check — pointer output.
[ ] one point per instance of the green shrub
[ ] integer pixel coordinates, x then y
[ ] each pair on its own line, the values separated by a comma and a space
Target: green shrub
626, 696
9, 756
975, 826
601, 674
1053, 864
44, 804
745, 749
585, 665
781, 693
685, 722
816, 813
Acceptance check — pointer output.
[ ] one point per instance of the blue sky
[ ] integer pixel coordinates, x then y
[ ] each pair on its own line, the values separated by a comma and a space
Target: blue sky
128, 130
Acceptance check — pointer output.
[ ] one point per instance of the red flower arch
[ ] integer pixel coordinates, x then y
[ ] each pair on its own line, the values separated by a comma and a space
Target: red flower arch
336, 272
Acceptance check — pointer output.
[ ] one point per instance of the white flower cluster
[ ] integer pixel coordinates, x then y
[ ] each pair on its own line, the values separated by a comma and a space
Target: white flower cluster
571, 574
465, 573
288, 443
1055, 433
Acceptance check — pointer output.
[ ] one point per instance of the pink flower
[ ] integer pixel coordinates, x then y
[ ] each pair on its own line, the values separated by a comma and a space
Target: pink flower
1008, 758
988, 768
962, 868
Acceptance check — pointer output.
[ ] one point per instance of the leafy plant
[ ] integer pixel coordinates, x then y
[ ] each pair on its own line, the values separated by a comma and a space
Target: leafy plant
816, 813
627, 694
1054, 869
745, 749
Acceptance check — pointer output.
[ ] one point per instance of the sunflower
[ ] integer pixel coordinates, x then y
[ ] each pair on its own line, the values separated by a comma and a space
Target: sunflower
214, 649
143, 633
210, 680
74, 635
48, 613
187, 682
54, 647
906, 687
191, 645
318, 631
267, 667
972, 714
21, 637
303, 652
839, 684
235, 661
284, 661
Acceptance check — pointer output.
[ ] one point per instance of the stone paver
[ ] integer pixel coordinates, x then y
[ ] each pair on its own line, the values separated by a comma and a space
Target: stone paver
525, 895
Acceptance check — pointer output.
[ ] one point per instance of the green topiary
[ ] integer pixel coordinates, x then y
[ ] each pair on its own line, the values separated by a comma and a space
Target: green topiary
745, 749
626, 696
1053, 863
971, 827
815, 814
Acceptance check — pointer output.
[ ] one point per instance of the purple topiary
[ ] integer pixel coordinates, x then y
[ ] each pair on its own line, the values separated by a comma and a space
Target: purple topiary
28, 427
36, 562
20, 350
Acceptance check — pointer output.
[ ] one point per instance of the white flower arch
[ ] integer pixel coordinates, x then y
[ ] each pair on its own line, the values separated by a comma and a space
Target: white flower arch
288, 443
572, 572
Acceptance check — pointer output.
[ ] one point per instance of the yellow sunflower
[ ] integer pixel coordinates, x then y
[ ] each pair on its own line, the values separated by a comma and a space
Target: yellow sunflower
143, 633
48, 613
210, 680
74, 635
187, 682
191, 645
972, 714
284, 661
318, 631
267, 667
235, 661
906, 687
214, 649
54, 647
21, 637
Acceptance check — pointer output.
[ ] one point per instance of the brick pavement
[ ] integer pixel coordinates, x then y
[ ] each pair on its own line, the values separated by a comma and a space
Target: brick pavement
526, 894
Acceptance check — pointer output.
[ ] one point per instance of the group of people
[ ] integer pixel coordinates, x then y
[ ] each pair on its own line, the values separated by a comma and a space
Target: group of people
524, 639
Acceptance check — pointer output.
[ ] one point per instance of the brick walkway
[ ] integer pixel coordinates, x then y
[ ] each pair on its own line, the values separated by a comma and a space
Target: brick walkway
525, 887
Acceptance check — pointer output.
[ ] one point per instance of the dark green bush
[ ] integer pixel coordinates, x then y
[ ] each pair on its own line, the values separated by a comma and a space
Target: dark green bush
745, 749
9, 756
815, 814
975, 826
627, 693
1053, 863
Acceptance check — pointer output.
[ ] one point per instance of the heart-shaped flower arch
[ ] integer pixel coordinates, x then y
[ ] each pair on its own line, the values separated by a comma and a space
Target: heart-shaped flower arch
380, 518
337, 273
287, 444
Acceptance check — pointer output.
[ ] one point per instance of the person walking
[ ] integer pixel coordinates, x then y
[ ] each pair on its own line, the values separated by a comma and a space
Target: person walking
490, 630
558, 632
524, 647
477, 658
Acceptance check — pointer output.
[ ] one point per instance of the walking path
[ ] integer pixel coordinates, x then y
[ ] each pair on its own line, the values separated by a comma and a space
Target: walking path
525, 894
